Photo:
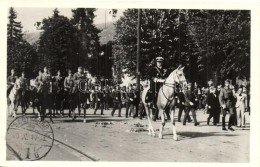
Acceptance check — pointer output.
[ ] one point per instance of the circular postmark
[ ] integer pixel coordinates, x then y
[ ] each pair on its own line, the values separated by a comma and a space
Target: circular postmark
29, 139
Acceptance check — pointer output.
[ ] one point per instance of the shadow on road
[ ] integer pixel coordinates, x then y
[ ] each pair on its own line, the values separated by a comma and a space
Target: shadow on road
201, 134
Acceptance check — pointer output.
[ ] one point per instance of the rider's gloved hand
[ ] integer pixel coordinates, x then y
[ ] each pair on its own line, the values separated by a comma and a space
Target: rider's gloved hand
161, 80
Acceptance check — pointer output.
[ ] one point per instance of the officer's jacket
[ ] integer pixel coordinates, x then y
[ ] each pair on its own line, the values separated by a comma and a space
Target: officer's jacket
77, 77
131, 96
158, 73
24, 83
67, 81
11, 79
116, 95
99, 96
226, 97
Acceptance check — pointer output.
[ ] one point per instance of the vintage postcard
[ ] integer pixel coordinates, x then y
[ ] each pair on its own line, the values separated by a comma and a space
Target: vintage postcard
129, 82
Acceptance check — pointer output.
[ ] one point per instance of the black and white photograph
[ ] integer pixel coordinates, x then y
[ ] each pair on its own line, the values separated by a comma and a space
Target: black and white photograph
128, 84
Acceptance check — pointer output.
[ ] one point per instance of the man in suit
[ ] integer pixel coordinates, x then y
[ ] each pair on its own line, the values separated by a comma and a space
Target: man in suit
116, 95
190, 105
181, 100
213, 105
226, 100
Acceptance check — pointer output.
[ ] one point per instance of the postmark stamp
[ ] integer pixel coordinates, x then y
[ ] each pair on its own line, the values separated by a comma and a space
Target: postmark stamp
29, 139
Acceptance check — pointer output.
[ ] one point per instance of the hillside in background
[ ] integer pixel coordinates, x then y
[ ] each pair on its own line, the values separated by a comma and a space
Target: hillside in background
32, 37
106, 35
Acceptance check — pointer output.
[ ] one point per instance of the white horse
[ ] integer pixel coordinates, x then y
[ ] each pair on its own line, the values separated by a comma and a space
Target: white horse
13, 98
165, 100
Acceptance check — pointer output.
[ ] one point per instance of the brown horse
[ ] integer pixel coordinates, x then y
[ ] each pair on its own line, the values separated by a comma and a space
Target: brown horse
166, 100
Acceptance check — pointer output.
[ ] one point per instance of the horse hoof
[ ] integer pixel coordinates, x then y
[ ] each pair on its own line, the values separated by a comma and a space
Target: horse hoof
175, 138
154, 135
160, 136
149, 133
84, 121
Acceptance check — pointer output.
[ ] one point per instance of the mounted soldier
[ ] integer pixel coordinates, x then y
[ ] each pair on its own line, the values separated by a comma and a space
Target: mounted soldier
158, 74
68, 84
10, 81
24, 92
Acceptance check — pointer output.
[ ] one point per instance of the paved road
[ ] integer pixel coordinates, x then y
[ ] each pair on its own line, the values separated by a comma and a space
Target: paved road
92, 141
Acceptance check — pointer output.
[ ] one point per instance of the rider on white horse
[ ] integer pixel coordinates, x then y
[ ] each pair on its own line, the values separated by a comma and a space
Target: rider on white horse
10, 81
158, 74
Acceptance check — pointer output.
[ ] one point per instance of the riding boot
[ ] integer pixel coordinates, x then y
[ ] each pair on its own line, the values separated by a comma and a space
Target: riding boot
223, 123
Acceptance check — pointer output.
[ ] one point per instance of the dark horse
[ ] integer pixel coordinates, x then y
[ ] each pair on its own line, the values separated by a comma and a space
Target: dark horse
58, 98
44, 100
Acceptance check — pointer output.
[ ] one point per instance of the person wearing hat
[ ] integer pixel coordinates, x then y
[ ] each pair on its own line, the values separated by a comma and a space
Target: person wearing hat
116, 95
68, 85
213, 105
227, 103
130, 100
58, 86
99, 99
158, 74
78, 76
190, 104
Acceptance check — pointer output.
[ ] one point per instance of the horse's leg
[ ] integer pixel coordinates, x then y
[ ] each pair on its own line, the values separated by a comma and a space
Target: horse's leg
175, 137
161, 112
151, 130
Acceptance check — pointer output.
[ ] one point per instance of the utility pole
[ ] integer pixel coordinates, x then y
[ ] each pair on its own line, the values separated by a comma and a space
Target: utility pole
138, 59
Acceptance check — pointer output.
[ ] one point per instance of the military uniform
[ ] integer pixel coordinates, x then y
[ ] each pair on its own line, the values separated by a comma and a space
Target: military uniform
68, 83
130, 101
77, 78
156, 73
116, 95
24, 83
99, 101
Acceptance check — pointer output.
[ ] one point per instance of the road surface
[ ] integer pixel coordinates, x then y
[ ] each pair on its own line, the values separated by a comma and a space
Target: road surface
107, 138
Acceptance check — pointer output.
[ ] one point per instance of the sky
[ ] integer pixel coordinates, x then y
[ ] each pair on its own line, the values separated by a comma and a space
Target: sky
29, 16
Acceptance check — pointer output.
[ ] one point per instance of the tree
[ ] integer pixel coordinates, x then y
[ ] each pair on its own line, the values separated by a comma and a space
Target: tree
20, 54
88, 36
59, 46
159, 37
209, 43
222, 43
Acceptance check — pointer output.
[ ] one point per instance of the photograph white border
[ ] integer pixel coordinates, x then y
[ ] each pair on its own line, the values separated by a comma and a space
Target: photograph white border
254, 6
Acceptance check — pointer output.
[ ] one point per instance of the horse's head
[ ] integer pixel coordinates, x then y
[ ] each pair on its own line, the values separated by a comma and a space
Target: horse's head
179, 76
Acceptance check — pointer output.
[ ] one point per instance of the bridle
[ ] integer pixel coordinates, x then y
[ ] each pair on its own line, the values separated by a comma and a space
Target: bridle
172, 85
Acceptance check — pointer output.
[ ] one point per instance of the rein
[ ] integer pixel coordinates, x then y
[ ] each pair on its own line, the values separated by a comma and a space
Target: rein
169, 100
